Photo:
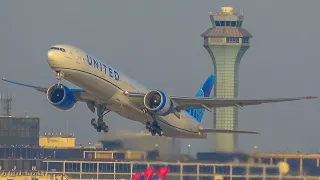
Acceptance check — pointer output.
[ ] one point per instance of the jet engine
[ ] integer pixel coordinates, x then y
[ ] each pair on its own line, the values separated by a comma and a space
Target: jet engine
158, 103
61, 97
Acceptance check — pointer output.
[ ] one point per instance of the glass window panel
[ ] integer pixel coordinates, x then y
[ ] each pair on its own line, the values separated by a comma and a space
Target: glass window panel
189, 169
206, 169
310, 167
223, 170
123, 168
294, 165
106, 167
240, 170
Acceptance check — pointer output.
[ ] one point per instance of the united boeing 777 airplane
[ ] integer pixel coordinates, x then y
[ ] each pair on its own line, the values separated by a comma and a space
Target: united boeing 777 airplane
105, 89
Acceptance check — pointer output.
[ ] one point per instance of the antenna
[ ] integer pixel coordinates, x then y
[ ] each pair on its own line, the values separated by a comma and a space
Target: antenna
26, 113
6, 102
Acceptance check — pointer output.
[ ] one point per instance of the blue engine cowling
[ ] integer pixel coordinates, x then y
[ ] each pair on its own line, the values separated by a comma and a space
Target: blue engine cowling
158, 103
60, 97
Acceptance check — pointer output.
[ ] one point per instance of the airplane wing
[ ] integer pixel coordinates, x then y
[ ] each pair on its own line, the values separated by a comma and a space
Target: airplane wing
227, 131
79, 94
202, 102
184, 103
38, 88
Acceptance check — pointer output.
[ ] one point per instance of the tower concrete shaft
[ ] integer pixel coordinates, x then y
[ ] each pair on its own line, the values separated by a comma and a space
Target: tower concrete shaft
226, 43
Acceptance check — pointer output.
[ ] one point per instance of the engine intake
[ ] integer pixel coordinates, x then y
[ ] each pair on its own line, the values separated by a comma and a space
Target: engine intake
158, 103
60, 97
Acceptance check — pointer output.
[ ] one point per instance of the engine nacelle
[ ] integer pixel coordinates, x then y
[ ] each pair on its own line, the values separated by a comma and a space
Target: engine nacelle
60, 97
158, 103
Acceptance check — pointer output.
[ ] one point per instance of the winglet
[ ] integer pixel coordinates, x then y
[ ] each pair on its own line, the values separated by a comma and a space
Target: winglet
310, 97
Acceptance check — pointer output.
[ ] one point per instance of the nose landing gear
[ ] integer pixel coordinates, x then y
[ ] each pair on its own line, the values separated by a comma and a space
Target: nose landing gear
59, 76
98, 124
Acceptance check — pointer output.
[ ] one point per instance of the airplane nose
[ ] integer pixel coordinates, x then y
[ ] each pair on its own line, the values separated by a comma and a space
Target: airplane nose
50, 55
51, 58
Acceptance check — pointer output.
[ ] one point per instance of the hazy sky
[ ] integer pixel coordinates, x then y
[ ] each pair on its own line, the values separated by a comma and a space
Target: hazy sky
158, 43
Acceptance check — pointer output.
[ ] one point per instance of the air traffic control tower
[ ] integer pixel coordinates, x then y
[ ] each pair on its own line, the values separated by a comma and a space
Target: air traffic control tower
226, 43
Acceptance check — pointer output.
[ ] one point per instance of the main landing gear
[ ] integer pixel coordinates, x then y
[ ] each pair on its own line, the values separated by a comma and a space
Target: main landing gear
154, 127
99, 125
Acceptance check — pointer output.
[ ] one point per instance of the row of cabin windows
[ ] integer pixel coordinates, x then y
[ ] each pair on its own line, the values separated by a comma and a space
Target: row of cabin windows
237, 40
229, 23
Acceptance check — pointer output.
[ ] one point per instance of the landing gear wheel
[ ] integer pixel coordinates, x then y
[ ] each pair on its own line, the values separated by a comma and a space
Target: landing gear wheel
93, 121
148, 125
153, 132
99, 125
160, 132
154, 128
105, 128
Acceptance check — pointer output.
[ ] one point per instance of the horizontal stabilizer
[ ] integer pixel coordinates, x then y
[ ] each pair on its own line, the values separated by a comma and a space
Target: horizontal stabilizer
227, 131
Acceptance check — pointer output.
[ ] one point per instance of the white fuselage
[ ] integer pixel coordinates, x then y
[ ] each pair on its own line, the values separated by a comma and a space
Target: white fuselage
107, 86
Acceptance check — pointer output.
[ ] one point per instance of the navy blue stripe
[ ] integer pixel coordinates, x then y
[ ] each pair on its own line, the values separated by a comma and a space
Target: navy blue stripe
164, 101
121, 89
170, 108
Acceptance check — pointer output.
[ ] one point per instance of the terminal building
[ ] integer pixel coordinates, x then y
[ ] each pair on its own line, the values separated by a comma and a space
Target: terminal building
22, 131
82, 163
54, 140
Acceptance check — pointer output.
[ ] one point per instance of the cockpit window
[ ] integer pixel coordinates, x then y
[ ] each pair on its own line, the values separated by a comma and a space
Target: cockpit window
57, 48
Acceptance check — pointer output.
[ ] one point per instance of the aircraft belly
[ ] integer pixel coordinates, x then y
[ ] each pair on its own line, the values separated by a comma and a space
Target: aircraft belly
131, 113
94, 85
174, 127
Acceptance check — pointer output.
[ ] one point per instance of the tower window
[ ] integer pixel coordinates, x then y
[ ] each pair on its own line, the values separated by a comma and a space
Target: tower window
232, 40
228, 23
245, 40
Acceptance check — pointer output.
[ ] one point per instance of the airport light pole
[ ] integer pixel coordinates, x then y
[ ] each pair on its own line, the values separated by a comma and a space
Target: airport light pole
189, 149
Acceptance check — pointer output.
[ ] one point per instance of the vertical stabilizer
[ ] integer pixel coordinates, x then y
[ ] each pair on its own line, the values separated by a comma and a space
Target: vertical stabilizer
204, 91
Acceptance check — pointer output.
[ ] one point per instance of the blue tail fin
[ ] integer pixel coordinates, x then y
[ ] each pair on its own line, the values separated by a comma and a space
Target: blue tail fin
204, 91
